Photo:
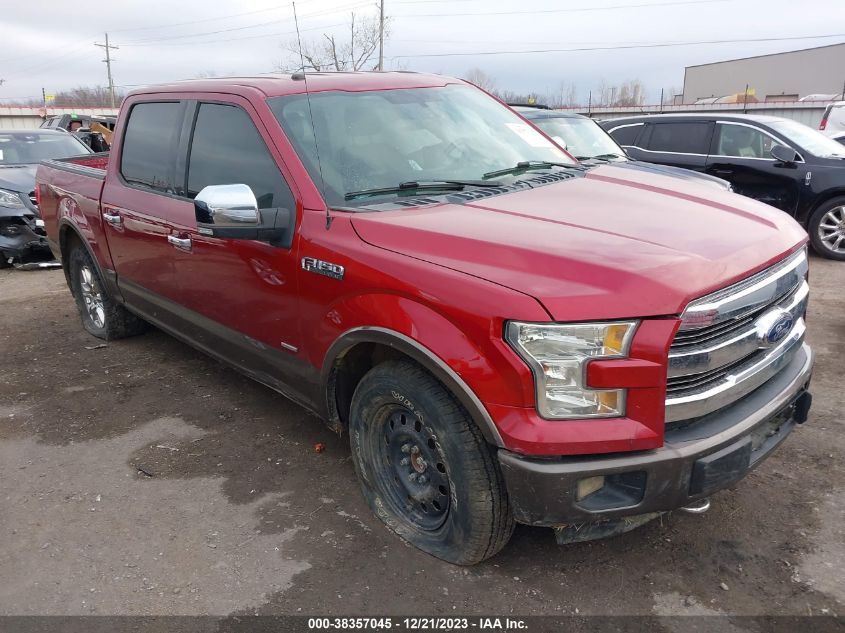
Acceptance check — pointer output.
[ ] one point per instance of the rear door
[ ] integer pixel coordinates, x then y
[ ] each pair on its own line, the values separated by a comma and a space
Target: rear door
677, 143
741, 154
142, 211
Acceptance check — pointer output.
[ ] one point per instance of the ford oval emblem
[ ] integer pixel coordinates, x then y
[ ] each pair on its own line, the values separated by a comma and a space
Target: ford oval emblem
779, 329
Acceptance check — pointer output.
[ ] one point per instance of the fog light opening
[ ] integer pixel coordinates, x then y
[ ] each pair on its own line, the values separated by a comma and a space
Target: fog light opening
588, 486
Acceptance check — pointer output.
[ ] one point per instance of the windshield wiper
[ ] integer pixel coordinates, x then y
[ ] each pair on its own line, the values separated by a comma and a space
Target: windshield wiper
527, 165
610, 156
417, 185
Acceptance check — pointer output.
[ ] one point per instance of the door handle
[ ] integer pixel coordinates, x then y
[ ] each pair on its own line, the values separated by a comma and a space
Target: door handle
723, 172
182, 243
112, 218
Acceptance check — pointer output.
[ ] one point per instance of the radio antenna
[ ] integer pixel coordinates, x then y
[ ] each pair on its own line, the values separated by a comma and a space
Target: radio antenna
311, 115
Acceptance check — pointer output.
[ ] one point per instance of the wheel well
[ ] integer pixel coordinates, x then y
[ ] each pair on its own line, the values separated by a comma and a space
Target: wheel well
67, 239
348, 370
823, 199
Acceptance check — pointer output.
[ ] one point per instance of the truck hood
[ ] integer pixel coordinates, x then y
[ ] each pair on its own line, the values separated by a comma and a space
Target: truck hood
677, 172
615, 243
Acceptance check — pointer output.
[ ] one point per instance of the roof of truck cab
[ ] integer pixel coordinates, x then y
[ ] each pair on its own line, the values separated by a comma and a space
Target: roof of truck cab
280, 85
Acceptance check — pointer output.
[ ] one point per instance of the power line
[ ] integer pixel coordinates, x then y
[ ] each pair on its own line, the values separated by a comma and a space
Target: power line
175, 24
357, 5
569, 10
240, 39
618, 47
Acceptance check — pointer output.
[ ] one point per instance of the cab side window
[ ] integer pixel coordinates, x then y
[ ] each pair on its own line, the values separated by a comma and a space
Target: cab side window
227, 149
149, 145
680, 138
742, 141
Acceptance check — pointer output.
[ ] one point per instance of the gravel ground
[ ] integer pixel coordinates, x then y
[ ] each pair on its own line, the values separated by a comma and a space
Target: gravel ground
141, 477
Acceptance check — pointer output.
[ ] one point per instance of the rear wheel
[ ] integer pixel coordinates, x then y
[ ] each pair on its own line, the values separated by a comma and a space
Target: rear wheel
827, 229
424, 467
101, 315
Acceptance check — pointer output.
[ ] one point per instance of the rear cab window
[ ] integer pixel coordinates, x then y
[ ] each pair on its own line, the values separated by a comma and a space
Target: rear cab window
683, 137
149, 149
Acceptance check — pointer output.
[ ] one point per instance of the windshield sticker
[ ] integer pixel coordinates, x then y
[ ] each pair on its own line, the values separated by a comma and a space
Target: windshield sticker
530, 135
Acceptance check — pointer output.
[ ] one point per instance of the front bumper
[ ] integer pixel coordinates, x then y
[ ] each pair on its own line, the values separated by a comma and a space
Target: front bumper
27, 241
697, 459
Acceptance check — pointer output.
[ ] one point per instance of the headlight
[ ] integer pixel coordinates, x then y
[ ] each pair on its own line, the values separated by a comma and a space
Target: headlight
10, 199
558, 356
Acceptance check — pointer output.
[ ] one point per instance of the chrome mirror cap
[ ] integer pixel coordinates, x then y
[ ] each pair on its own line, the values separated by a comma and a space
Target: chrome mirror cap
227, 205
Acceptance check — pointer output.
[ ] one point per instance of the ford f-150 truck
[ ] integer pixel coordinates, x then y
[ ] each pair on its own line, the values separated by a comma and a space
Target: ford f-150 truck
505, 335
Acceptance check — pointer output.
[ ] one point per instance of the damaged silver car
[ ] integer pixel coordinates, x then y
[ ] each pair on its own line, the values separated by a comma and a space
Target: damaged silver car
22, 235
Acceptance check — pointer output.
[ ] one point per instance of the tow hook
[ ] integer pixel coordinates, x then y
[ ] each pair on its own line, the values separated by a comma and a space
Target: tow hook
698, 507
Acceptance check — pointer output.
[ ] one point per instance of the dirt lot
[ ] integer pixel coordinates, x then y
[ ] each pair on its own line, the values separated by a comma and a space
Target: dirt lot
238, 514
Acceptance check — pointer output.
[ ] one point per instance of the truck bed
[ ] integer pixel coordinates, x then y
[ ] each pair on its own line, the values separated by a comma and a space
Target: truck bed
90, 164
69, 190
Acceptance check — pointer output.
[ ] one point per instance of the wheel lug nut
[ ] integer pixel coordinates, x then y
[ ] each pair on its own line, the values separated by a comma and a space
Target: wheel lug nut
406, 448
412, 477
422, 479
404, 461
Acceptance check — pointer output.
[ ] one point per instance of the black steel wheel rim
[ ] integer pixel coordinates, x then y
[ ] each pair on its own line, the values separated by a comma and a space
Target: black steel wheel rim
414, 478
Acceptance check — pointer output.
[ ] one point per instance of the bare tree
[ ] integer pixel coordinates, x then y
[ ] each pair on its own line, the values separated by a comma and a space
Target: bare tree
80, 97
481, 79
564, 96
356, 51
628, 93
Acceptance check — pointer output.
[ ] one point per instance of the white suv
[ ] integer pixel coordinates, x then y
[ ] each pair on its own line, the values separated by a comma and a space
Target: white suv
833, 121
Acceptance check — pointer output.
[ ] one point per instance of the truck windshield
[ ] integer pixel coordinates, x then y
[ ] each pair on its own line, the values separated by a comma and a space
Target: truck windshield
29, 148
379, 139
583, 138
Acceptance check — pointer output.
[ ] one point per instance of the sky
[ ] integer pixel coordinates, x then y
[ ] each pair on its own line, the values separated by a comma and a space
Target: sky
50, 43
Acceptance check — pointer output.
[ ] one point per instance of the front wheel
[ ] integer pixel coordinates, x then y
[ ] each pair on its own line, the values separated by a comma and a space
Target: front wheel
827, 229
424, 467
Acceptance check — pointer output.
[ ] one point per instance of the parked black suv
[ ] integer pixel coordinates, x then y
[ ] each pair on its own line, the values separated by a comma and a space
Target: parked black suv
777, 161
583, 138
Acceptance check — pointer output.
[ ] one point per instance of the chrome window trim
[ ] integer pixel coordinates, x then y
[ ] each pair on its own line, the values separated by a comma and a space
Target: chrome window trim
733, 347
738, 383
733, 302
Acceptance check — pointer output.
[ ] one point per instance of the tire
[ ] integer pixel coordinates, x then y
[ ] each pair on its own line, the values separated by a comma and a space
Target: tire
424, 467
101, 315
827, 229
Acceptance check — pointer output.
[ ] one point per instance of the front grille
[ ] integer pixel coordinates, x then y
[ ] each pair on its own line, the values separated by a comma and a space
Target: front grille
733, 340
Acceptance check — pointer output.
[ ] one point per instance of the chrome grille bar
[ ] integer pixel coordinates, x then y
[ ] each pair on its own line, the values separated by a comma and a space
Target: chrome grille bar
747, 296
733, 340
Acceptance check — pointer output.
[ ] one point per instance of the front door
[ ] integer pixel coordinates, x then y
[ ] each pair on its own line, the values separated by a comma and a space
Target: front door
741, 154
243, 293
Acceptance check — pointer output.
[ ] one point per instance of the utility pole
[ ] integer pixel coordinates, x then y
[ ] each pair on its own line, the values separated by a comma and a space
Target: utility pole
108, 61
381, 36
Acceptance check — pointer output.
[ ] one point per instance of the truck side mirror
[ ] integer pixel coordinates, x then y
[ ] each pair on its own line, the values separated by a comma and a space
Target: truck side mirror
231, 212
784, 154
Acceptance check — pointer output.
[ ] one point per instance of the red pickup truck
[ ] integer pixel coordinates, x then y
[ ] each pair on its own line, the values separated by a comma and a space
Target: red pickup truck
504, 334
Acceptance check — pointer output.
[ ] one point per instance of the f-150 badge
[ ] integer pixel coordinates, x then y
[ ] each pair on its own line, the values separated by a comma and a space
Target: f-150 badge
335, 271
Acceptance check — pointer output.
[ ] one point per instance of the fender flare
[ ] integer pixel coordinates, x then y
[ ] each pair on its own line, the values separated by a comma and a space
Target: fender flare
422, 355
109, 277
